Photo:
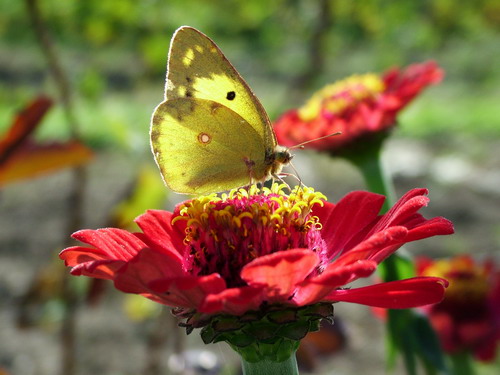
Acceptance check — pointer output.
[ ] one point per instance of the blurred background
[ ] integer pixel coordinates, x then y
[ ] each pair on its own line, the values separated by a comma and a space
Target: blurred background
111, 57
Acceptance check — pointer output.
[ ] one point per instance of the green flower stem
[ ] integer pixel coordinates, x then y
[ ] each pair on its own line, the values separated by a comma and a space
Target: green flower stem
265, 367
462, 364
376, 180
369, 162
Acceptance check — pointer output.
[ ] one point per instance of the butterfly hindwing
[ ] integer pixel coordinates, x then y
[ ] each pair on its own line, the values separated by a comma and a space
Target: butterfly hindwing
202, 146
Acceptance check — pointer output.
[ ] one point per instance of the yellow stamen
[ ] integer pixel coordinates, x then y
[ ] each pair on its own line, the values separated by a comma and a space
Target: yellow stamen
237, 221
284, 211
339, 95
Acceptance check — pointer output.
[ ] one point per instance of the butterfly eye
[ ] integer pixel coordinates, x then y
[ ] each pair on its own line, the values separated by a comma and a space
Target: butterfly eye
230, 95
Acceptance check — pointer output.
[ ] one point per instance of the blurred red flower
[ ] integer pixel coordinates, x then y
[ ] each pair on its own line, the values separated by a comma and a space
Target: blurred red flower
468, 319
234, 253
358, 106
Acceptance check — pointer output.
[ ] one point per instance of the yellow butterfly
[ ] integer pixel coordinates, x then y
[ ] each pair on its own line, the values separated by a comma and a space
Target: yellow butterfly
210, 133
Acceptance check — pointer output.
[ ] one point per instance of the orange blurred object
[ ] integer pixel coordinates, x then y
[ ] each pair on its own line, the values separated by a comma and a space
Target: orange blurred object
318, 346
22, 158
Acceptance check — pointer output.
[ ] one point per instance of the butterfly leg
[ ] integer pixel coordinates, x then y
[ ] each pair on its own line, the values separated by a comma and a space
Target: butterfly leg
260, 186
250, 167
281, 175
296, 175
279, 178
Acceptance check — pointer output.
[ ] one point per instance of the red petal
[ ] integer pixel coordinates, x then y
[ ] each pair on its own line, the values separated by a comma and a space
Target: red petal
113, 243
188, 291
400, 294
234, 301
89, 262
314, 289
403, 210
101, 269
144, 270
347, 218
159, 233
432, 227
78, 254
338, 276
408, 83
113, 247
378, 247
280, 272
146, 267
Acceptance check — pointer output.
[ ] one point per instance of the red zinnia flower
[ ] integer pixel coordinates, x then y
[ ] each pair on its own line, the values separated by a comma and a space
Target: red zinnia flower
358, 106
468, 319
235, 253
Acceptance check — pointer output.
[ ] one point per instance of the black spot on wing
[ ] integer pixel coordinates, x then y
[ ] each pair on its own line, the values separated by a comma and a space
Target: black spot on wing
230, 95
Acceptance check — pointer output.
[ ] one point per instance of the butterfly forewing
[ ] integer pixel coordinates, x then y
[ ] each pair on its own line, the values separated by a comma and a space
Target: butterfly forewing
198, 69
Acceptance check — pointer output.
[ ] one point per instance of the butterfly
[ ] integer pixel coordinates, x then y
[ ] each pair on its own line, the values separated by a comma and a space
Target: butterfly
211, 133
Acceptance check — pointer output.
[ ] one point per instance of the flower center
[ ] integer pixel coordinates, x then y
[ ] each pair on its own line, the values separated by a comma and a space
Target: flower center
342, 95
469, 285
225, 233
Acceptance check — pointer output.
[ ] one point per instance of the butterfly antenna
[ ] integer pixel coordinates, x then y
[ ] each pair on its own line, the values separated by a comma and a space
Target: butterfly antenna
301, 145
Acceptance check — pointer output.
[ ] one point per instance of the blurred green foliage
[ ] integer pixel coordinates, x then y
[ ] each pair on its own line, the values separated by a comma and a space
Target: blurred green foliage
115, 54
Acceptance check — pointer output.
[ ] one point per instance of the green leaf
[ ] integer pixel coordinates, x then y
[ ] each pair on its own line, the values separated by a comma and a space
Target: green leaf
428, 343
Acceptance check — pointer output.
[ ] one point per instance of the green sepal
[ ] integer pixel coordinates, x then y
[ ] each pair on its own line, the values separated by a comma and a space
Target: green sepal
296, 331
208, 335
240, 339
271, 334
227, 324
282, 316
263, 331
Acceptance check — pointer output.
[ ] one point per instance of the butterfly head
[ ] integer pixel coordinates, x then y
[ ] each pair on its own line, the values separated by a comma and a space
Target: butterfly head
282, 155
276, 159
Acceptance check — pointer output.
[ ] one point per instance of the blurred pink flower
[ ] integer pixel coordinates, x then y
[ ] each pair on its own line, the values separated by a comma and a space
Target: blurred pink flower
358, 106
